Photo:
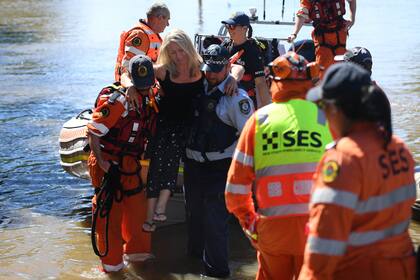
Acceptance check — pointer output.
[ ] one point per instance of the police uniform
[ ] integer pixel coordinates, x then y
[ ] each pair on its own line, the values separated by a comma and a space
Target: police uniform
218, 120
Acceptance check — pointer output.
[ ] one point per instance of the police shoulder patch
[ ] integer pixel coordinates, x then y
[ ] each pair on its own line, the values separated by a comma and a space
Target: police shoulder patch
136, 41
330, 171
245, 106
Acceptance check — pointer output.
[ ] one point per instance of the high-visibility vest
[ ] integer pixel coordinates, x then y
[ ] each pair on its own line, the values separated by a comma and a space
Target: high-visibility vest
290, 139
147, 42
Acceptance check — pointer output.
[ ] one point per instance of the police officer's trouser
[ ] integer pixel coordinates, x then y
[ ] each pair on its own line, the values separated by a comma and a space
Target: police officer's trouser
280, 247
329, 44
125, 235
207, 214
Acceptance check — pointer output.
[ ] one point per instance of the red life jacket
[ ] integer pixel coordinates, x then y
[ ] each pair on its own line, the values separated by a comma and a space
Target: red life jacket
130, 135
327, 12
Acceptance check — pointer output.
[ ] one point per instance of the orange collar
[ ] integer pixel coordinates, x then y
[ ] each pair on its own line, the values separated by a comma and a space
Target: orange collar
284, 90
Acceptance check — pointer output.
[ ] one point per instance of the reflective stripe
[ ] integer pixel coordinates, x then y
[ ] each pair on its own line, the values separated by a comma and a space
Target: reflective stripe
103, 129
384, 201
134, 50
282, 210
139, 257
147, 30
111, 268
287, 169
197, 156
238, 188
125, 63
333, 196
155, 45
243, 158
321, 118
261, 117
369, 237
326, 246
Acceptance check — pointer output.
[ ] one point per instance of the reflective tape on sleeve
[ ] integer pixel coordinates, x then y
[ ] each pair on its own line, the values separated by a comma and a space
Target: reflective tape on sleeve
243, 158
326, 246
134, 50
238, 188
332, 196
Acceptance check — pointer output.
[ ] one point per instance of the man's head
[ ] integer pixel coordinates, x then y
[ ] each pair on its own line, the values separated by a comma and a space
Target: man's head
141, 72
215, 64
237, 25
358, 55
292, 76
158, 17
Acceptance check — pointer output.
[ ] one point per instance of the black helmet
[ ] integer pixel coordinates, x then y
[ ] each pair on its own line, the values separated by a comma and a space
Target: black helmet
358, 55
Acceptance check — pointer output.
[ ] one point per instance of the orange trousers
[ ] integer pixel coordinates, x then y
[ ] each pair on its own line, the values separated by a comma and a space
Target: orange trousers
327, 46
278, 267
281, 243
125, 235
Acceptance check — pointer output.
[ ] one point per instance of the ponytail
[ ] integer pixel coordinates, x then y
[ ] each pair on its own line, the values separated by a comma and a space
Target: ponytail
373, 106
249, 32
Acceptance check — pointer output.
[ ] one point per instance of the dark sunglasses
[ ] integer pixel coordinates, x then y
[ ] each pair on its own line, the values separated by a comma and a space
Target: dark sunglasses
230, 26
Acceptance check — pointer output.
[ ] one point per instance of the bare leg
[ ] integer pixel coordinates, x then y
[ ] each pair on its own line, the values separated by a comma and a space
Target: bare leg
161, 203
151, 205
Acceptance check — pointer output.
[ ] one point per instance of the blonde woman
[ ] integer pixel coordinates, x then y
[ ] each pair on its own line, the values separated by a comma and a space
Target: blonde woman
180, 79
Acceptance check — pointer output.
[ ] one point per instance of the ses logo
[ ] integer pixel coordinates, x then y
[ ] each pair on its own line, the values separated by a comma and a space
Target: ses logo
301, 138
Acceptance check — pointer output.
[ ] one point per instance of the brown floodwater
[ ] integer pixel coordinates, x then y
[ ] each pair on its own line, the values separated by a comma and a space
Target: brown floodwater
55, 56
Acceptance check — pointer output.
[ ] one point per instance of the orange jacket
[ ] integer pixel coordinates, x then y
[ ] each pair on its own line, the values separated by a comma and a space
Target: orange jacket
361, 209
141, 39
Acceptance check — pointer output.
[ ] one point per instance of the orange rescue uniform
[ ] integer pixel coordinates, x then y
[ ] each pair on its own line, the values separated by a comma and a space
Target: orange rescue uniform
283, 214
361, 209
141, 39
127, 216
330, 31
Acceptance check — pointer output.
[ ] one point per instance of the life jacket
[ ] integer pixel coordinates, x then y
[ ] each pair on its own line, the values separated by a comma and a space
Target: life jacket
209, 133
327, 13
129, 136
148, 44
286, 155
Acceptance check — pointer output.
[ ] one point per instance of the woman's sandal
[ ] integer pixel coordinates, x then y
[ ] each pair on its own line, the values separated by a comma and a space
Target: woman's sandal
148, 226
159, 217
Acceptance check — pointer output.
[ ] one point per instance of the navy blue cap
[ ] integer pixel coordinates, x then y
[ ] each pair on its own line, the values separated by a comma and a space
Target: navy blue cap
305, 48
141, 70
215, 58
342, 83
238, 18
357, 55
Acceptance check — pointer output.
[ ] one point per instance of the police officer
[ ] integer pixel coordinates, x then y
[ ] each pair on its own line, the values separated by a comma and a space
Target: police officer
277, 152
218, 120
364, 186
253, 81
117, 136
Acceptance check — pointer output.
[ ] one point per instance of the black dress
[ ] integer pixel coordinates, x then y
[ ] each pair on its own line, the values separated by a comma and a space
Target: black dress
172, 128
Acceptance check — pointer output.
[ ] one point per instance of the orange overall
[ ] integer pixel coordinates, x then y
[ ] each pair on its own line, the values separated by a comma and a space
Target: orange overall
361, 209
330, 32
126, 238
141, 39
277, 225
